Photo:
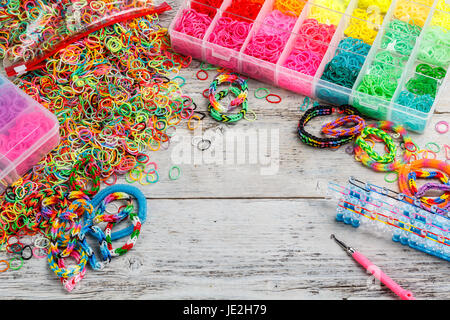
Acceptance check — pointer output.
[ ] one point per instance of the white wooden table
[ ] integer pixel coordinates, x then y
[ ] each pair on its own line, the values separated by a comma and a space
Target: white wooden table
245, 230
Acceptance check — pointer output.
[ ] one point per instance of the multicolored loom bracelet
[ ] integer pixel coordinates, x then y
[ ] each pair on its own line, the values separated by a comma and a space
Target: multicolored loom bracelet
237, 82
409, 145
383, 135
320, 111
228, 118
330, 128
404, 171
441, 201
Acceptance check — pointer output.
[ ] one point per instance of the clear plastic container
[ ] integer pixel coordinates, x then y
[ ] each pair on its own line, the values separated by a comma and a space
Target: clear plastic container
424, 16
28, 131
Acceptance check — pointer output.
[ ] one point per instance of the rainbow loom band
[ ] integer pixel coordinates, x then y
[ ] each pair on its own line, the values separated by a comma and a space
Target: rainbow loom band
234, 80
387, 139
330, 128
397, 163
228, 118
133, 191
404, 171
441, 201
319, 111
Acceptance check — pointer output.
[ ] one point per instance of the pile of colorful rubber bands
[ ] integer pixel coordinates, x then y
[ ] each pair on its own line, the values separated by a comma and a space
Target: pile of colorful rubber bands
112, 94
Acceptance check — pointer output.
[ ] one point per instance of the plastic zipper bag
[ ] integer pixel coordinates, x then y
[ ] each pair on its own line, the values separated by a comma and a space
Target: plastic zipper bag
33, 30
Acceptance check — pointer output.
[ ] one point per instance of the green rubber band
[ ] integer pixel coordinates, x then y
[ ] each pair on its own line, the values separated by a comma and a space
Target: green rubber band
16, 258
208, 67
261, 89
171, 170
129, 180
433, 144
182, 78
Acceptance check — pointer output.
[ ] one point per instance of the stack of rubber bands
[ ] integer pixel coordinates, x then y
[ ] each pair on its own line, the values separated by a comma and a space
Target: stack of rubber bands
346, 65
208, 7
310, 46
233, 27
273, 34
291, 7
364, 24
421, 88
408, 11
193, 23
243, 10
323, 15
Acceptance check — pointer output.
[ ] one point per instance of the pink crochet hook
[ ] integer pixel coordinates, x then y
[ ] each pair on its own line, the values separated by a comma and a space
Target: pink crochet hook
375, 271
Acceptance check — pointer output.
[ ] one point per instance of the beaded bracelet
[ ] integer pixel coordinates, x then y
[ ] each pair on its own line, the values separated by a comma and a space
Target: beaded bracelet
319, 111
395, 163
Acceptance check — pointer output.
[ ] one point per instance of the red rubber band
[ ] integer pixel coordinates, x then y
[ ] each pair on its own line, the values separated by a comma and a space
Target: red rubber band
207, 75
273, 95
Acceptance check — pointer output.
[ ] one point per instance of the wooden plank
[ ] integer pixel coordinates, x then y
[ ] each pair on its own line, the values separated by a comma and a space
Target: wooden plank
297, 170
242, 249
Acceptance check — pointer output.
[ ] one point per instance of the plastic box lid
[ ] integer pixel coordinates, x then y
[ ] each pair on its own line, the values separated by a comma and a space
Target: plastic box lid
28, 131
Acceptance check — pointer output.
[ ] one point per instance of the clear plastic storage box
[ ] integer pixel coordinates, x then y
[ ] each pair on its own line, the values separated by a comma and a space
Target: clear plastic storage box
380, 81
28, 131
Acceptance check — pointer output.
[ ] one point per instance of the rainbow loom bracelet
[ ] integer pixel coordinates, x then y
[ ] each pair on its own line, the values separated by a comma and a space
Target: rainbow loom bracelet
394, 165
228, 118
235, 81
404, 176
330, 128
441, 201
371, 131
319, 111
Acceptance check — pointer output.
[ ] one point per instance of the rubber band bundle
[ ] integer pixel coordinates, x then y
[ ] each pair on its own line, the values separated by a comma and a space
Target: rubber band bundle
51, 25
361, 52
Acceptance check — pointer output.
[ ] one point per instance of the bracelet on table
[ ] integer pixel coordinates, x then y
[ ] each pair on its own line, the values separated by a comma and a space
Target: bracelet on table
410, 148
237, 83
404, 174
228, 118
441, 201
319, 111
383, 135
330, 128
